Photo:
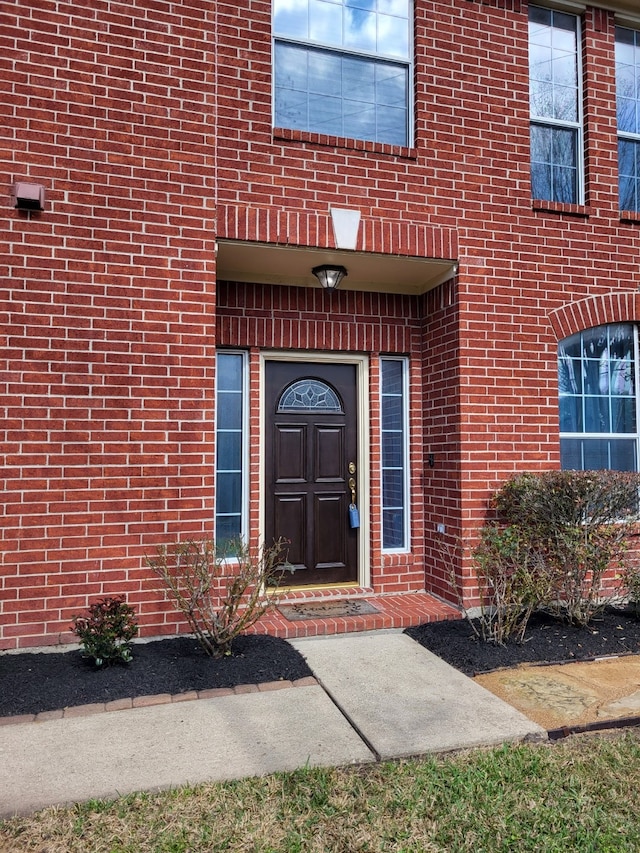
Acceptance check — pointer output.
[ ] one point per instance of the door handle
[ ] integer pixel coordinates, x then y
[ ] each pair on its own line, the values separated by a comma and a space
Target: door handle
354, 514
352, 481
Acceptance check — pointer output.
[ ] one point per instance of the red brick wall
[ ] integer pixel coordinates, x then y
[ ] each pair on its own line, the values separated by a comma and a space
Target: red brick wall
522, 264
107, 303
267, 317
441, 425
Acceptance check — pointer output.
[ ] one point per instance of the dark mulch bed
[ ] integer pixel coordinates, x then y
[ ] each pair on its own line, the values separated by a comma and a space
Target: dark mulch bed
614, 632
33, 682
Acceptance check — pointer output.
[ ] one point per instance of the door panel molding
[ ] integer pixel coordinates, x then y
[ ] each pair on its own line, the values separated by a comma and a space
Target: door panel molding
290, 509
326, 436
292, 447
361, 363
330, 511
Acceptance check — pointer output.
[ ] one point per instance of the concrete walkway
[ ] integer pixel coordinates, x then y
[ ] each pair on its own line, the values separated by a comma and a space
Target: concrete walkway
403, 700
379, 695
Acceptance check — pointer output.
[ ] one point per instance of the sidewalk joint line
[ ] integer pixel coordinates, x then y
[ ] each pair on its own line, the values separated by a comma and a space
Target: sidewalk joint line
355, 728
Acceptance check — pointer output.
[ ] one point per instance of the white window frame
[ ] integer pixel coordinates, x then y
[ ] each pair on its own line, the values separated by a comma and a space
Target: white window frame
578, 125
244, 462
627, 135
608, 436
405, 457
408, 64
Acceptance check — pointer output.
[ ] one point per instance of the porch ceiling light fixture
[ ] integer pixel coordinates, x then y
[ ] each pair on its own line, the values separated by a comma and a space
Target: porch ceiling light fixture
329, 276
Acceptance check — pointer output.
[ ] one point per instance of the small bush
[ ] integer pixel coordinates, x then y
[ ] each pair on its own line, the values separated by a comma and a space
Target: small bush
219, 597
106, 633
578, 524
630, 577
512, 581
507, 580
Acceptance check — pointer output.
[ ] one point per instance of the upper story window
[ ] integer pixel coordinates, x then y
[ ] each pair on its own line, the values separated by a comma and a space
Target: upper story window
342, 68
628, 103
597, 380
555, 99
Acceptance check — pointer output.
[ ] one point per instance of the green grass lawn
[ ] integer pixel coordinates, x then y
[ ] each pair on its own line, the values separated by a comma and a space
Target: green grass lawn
581, 794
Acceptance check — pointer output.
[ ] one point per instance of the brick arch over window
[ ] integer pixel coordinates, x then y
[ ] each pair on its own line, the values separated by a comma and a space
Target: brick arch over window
622, 307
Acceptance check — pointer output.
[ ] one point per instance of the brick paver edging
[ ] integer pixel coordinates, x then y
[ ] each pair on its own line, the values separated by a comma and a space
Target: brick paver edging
158, 699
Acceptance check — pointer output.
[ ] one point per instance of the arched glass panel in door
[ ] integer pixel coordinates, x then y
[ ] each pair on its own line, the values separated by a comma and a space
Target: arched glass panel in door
309, 395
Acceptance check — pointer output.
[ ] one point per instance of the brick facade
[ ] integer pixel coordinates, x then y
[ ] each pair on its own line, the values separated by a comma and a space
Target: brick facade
108, 302
150, 126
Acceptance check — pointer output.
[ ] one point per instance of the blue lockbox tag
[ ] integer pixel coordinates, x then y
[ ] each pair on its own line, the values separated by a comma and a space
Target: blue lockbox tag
354, 516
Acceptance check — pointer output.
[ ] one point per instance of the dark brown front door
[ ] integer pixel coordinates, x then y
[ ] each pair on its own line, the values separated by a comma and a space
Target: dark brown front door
311, 442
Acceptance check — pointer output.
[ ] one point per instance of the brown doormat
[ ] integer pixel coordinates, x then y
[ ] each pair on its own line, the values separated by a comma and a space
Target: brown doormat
327, 609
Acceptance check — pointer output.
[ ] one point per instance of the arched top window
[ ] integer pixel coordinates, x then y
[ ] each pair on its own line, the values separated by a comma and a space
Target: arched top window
597, 383
309, 395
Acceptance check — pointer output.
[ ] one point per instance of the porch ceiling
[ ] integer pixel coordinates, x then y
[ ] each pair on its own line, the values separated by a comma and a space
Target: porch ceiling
271, 264
631, 6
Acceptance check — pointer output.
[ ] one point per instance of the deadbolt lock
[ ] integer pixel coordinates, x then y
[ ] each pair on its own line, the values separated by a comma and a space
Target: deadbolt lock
352, 467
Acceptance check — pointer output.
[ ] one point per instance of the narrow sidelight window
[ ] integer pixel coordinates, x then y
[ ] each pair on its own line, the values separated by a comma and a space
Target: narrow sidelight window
230, 447
394, 411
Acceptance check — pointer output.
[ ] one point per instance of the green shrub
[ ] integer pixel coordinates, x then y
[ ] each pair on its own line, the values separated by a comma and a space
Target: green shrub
569, 498
511, 580
106, 633
577, 524
630, 577
220, 597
